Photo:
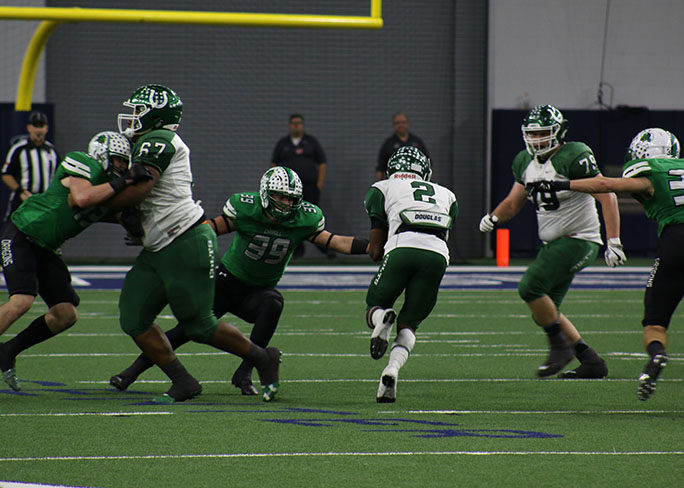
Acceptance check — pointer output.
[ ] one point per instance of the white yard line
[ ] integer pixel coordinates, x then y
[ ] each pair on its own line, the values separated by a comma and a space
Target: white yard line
155, 457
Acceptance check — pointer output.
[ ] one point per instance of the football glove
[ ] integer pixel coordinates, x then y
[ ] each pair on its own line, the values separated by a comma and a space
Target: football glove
136, 173
614, 255
546, 186
488, 223
130, 220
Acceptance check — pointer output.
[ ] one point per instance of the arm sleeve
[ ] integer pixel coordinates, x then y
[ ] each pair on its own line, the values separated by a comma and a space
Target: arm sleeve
154, 151
453, 212
375, 205
583, 166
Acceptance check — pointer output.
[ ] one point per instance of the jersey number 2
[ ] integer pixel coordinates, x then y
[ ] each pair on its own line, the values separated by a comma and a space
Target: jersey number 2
424, 192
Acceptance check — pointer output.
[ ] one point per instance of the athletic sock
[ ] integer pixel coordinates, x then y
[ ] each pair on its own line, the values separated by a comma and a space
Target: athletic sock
580, 346
256, 355
655, 348
555, 334
36, 332
175, 371
177, 337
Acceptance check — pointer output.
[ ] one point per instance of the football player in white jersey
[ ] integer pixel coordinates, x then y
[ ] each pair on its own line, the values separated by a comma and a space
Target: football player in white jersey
410, 221
569, 229
177, 265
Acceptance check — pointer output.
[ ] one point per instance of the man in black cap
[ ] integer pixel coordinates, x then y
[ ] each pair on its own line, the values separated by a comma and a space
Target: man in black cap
30, 163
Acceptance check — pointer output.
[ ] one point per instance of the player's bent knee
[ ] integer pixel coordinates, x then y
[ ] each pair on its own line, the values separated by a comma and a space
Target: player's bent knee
64, 316
273, 301
527, 292
202, 332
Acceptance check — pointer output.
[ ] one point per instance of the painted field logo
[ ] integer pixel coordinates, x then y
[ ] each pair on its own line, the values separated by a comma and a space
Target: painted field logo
420, 428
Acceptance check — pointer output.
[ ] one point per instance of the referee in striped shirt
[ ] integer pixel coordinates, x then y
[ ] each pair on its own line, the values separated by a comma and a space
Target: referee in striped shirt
30, 163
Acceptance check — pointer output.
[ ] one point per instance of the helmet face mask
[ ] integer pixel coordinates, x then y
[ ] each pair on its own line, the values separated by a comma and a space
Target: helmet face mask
653, 143
543, 130
107, 145
152, 107
281, 192
409, 162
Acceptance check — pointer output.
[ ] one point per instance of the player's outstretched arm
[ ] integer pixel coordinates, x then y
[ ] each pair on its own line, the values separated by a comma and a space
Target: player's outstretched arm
221, 224
342, 244
602, 184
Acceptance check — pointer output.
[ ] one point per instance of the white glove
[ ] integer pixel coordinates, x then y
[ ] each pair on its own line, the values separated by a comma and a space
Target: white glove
488, 223
614, 255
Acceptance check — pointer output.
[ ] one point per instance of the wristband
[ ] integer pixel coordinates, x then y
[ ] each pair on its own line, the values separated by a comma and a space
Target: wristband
561, 184
358, 246
118, 184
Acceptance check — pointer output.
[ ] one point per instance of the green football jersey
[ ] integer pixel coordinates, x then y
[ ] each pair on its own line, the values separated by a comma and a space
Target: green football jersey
169, 209
262, 248
666, 206
562, 213
47, 218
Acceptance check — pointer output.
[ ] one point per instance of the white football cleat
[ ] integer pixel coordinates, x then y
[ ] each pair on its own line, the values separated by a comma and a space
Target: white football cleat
381, 333
387, 390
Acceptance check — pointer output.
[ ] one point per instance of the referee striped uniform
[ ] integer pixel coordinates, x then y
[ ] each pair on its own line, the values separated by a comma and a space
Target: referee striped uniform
32, 166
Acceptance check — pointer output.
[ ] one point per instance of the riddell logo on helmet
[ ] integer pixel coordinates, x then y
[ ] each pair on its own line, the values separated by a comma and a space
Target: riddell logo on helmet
405, 176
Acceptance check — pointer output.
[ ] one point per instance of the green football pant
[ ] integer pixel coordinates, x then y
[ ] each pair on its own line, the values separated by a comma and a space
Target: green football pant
417, 272
554, 268
182, 276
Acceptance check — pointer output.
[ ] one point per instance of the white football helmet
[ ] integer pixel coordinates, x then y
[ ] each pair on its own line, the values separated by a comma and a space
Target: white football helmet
283, 182
106, 144
653, 143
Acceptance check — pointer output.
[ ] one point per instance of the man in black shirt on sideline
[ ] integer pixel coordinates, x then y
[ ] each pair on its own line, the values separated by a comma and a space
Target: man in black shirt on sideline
401, 137
302, 153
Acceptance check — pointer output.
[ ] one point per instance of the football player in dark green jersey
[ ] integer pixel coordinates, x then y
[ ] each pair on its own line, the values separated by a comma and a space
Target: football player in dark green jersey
570, 232
654, 175
269, 225
31, 259
177, 266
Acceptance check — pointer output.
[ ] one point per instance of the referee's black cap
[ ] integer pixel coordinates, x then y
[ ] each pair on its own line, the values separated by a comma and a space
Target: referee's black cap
37, 119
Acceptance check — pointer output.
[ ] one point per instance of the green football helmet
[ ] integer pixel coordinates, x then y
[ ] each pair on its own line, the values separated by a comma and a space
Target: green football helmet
106, 144
154, 107
409, 159
543, 129
653, 143
280, 182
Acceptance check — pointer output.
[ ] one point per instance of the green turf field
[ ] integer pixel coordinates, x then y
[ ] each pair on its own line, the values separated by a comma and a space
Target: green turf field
469, 411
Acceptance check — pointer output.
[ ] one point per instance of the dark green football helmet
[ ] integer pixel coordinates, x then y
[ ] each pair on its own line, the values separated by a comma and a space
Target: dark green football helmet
154, 107
409, 159
543, 129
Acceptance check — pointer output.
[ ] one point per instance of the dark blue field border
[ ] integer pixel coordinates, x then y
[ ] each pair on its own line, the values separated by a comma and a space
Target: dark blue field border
358, 277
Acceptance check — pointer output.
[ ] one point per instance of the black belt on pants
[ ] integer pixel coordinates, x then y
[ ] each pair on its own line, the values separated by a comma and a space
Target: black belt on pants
441, 233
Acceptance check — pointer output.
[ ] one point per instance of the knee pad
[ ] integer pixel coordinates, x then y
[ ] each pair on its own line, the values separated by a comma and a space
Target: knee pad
524, 291
274, 300
406, 339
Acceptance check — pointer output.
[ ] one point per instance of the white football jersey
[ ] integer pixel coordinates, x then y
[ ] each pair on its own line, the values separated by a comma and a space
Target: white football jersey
415, 203
169, 209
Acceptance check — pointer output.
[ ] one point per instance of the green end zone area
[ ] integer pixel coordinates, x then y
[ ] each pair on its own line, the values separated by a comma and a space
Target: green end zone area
469, 410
